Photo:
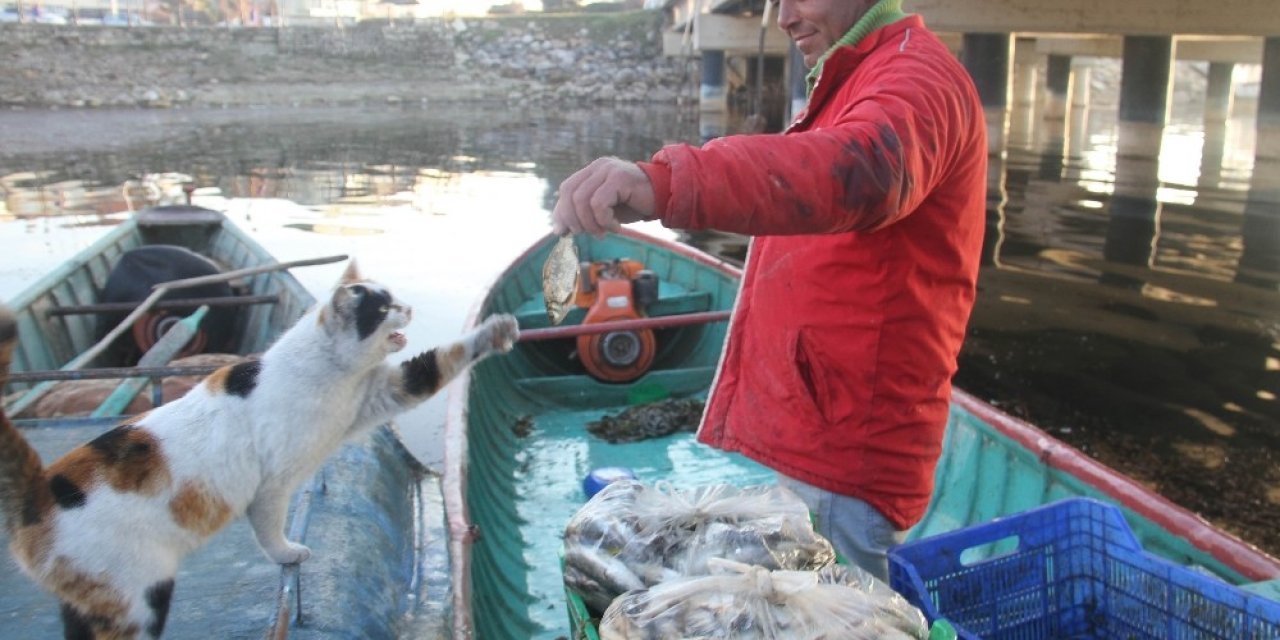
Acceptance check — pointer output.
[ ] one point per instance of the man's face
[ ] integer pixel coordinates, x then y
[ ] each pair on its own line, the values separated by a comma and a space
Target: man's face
815, 25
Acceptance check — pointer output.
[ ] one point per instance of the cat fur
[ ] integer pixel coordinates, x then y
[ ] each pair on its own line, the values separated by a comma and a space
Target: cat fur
105, 527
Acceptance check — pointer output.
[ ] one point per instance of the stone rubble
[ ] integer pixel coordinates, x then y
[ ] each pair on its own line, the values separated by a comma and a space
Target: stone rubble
530, 59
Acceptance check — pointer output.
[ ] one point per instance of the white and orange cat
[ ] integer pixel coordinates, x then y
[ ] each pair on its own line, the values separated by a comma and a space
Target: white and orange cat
105, 527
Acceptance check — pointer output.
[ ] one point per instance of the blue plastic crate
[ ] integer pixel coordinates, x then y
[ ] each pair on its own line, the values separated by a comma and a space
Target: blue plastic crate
1071, 569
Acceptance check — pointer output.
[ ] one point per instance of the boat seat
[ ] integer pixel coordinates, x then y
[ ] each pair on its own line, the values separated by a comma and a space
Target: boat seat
533, 314
584, 388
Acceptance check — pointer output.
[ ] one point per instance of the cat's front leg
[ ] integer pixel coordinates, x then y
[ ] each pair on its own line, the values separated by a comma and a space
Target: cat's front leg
429, 371
267, 515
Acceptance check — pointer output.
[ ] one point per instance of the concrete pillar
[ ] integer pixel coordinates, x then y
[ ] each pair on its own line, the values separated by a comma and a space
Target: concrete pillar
989, 59
714, 94
1022, 131
1145, 86
797, 89
1057, 87
1077, 132
712, 125
1081, 76
1053, 149
1220, 92
1212, 154
1260, 258
1134, 213
1269, 101
1025, 63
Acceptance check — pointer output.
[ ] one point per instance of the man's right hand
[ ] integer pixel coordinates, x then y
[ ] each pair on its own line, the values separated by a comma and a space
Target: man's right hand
602, 197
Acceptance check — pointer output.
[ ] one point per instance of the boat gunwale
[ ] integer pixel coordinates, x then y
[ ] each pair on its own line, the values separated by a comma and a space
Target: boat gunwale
28, 296
1230, 550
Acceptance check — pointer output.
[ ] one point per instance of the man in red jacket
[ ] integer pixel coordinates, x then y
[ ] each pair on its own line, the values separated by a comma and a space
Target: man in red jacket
868, 215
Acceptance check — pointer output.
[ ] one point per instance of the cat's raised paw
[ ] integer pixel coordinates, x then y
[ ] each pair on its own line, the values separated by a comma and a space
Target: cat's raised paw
292, 553
503, 332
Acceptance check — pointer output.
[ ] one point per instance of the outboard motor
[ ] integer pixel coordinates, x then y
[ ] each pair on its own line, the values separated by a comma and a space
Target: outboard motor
616, 290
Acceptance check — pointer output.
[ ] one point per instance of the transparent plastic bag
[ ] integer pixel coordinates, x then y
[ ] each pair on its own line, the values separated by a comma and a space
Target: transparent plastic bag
631, 535
752, 603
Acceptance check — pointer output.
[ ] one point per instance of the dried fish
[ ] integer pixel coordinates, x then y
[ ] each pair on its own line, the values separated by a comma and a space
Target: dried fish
598, 576
560, 279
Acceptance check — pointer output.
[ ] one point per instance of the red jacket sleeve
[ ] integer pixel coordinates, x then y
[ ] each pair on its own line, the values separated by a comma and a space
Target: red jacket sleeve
870, 161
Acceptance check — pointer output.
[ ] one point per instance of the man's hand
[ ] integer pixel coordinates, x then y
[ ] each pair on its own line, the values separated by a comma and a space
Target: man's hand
602, 197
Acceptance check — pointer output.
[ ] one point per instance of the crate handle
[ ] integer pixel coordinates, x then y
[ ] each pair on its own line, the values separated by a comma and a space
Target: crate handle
989, 550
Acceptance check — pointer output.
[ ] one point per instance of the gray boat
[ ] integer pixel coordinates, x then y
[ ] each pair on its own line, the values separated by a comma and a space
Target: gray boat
373, 515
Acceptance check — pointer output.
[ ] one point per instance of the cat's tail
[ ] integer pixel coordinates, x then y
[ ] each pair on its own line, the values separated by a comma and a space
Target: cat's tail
20, 468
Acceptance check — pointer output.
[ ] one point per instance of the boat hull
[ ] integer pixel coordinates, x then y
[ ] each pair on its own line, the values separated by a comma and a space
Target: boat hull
48, 339
517, 451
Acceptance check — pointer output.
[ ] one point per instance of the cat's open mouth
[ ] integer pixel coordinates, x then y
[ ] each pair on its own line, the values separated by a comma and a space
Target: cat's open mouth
397, 339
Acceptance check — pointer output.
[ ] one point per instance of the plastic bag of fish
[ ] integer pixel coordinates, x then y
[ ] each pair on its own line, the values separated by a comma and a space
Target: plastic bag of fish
752, 603
631, 536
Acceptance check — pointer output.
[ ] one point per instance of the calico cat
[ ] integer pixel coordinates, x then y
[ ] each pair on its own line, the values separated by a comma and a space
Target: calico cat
105, 527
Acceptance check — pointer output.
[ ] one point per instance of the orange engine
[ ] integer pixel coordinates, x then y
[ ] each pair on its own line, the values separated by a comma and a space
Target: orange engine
609, 291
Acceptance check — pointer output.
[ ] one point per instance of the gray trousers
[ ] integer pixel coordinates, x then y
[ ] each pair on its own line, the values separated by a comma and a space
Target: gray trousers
859, 533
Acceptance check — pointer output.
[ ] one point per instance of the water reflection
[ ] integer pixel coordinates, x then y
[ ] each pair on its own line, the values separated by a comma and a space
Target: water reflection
1127, 305
1112, 309
1260, 233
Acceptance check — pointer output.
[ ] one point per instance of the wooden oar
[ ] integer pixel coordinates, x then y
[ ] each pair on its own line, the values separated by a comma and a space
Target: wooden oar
660, 322
87, 356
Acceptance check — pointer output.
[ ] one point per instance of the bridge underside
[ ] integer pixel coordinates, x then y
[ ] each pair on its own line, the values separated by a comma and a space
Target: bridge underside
1258, 18
1013, 37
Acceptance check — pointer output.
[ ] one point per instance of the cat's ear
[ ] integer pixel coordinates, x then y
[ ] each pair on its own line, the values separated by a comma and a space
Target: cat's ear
351, 275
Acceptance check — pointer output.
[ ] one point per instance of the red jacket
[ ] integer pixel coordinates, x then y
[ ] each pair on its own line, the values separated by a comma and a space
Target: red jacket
869, 214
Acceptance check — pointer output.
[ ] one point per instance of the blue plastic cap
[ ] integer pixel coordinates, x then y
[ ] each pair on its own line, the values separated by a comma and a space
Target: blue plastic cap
598, 478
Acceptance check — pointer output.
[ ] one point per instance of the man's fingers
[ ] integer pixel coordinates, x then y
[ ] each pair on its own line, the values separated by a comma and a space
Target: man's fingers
602, 203
565, 216
590, 202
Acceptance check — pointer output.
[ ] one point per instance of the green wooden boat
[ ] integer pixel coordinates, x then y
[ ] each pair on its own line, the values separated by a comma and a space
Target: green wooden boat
517, 450
373, 515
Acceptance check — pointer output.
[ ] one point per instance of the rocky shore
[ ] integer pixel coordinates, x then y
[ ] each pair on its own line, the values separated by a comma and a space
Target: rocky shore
584, 59
536, 58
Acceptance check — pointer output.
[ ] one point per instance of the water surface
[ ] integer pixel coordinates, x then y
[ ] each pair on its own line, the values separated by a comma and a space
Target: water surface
1127, 305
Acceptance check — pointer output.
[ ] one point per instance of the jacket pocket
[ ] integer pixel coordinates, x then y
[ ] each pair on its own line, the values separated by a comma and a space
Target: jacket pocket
835, 369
